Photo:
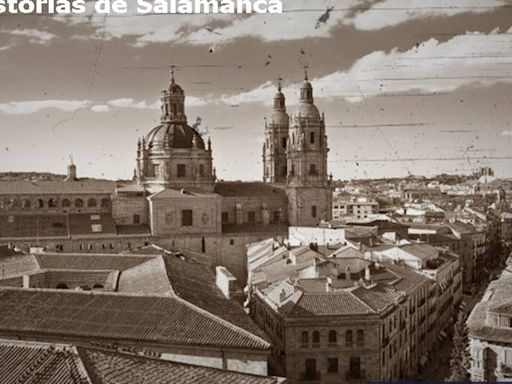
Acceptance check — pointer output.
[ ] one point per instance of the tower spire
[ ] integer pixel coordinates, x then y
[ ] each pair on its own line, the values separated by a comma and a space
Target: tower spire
173, 67
280, 84
306, 77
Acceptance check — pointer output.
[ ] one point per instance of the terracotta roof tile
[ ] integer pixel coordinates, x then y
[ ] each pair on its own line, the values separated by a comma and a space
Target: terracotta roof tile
119, 317
83, 186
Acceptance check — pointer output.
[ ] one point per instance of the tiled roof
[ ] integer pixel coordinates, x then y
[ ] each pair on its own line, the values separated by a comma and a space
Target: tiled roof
24, 362
24, 226
148, 278
115, 368
378, 297
422, 251
234, 189
141, 229
194, 282
332, 303
17, 265
185, 194
83, 186
91, 224
118, 317
44, 363
89, 261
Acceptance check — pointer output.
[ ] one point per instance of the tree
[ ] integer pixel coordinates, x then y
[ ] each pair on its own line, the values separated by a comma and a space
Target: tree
460, 361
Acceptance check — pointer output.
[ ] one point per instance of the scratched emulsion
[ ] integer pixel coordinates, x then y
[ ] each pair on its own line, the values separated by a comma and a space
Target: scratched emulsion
407, 87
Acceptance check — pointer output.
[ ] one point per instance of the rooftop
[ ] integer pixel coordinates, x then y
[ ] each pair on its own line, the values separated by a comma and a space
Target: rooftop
45, 363
45, 187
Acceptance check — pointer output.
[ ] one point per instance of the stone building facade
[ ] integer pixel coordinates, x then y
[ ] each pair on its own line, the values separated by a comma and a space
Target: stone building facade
175, 199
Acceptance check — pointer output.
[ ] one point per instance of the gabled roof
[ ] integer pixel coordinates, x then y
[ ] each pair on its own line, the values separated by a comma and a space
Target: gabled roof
84, 262
330, 303
422, 251
80, 315
115, 368
26, 362
44, 363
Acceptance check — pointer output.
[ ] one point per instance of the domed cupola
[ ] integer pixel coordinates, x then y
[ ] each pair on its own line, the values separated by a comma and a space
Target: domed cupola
279, 115
173, 154
307, 108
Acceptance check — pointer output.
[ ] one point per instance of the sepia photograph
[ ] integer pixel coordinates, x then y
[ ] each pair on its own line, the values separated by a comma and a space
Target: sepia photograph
255, 191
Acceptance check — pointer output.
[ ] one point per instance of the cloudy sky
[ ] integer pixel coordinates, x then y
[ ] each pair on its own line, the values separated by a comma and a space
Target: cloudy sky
407, 86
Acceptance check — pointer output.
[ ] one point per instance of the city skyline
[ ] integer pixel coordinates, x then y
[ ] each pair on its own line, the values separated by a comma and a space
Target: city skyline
89, 86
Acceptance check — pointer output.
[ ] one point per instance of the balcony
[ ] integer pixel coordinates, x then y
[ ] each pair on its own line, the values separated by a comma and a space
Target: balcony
310, 376
355, 376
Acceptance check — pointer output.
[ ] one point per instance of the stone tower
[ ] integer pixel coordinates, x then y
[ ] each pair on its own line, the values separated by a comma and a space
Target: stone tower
309, 194
275, 167
173, 154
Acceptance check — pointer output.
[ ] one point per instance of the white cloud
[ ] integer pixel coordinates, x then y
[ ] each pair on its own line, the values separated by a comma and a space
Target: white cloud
28, 107
100, 108
433, 66
35, 36
190, 101
298, 22
393, 12
507, 133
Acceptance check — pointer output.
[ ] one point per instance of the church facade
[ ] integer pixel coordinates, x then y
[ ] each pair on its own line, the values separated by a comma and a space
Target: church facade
175, 198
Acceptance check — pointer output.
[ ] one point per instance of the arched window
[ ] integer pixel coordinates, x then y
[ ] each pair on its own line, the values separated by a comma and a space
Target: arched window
201, 170
360, 337
65, 203
16, 203
316, 338
348, 338
27, 204
40, 203
332, 337
304, 339
62, 286
92, 203
105, 203
52, 203
79, 203
97, 286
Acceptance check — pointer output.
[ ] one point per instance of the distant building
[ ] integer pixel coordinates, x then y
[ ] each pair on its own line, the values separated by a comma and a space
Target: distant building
353, 207
339, 312
490, 332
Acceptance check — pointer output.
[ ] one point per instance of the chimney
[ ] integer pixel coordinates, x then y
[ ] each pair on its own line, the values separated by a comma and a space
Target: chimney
367, 274
347, 273
26, 281
282, 296
225, 281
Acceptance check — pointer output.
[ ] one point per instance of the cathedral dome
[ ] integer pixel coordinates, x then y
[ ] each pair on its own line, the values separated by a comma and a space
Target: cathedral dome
176, 135
280, 118
307, 110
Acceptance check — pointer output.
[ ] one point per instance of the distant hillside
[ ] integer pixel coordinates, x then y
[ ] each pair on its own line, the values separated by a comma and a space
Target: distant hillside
35, 176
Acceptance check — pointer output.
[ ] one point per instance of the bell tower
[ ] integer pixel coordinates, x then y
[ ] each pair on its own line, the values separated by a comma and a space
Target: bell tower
307, 183
275, 167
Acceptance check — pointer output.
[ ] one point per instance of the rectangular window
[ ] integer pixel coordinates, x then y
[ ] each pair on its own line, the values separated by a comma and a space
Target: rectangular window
283, 142
251, 217
97, 228
156, 170
225, 217
312, 137
355, 368
201, 170
313, 211
136, 219
186, 218
277, 216
181, 170
332, 365
312, 169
